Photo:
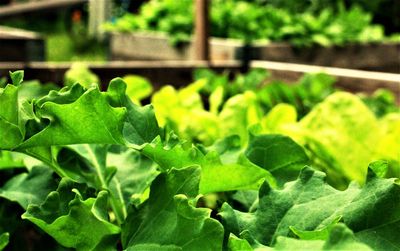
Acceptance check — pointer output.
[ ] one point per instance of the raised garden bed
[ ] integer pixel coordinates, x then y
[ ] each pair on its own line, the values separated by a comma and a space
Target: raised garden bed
21, 46
146, 46
376, 57
179, 73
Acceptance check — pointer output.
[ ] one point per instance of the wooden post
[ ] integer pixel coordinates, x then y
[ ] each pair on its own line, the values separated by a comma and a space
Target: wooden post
99, 13
201, 33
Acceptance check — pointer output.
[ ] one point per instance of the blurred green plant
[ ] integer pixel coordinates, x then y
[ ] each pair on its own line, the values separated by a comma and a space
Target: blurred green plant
249, 21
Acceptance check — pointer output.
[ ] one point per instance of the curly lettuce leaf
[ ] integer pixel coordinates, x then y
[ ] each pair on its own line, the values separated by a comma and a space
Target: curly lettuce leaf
344, 136
235, 174
10, 133
27, 188
317, 204
138, 88
170, 211
339, 237
89, 118
74, 222
75, 115
278, 154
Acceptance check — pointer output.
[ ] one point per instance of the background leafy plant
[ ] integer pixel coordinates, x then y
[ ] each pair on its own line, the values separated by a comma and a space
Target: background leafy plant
255, 20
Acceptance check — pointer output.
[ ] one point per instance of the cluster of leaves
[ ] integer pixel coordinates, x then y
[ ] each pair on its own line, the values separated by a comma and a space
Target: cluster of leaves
231, 106
342, 123
95, 171
384, 11
252, 20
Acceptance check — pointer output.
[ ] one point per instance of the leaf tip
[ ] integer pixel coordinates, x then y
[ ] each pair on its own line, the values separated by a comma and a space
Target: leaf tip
264, 189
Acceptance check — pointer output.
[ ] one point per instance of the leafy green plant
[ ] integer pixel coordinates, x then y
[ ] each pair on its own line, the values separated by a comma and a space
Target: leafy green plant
327, 123
255, 20
95, 171
79, 72
310, 199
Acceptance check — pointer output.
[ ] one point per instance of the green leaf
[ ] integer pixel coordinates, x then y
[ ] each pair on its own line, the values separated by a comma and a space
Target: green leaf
4, 238
228, 148
239, 174
342, 133
80, 73
244, 199
138, 88
237, 244
134, 175
87, 119
10, 133
238, 113
10, 160
246, 242
278, 117
168, 155
389, 143
154, 247
9, 104
380, 167
169, 210
34, 89
29, 188
216, 99
17, 77
74, 222
342, 238
318, 234
140, 125
86, 164
278, 154
183, 112
124, 175
339, 238
317, 204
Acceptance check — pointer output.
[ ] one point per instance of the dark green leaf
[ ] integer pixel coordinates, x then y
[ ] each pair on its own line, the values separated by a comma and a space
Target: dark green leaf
17, 77
140, 125
168, 219
4, 237
232, 175
74, 222
29, 188
317, 204
339, 238
88, 119
278, 154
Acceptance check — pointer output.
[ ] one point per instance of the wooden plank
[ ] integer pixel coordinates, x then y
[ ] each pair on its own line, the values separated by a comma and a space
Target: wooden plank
13, 33
156, 46
21, 8
146, 46
348, 79
20, 45
384, 56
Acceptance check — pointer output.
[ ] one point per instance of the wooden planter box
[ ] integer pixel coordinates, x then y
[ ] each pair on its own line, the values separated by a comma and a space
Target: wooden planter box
154, 46
20, 46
